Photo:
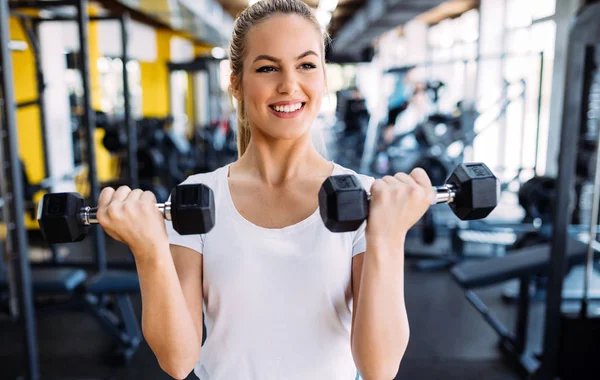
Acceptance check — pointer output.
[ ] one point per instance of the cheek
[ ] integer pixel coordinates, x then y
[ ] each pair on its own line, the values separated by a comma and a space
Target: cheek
257, 92
315, 89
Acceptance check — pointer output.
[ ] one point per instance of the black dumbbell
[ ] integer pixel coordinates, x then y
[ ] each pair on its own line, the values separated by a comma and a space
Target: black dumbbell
472, 192
63, 218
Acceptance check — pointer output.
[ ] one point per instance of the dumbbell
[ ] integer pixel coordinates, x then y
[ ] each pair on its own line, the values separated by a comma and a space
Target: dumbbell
63, 217
472, 192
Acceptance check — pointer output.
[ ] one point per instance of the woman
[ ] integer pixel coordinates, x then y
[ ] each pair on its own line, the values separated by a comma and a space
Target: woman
283, 297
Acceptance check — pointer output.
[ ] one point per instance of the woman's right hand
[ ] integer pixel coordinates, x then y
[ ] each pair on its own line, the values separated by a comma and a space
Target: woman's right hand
131, 217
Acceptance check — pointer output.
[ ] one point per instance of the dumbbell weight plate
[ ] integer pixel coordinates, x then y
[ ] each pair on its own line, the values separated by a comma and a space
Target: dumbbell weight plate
58, 217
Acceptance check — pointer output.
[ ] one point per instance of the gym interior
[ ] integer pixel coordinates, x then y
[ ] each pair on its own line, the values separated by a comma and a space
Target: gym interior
497, 100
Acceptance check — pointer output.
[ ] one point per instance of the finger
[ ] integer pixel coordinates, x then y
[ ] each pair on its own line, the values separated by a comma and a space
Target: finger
105, 196
420, 176
405, 178
390, 181
377, 186
121, 194
135, 195
148, 196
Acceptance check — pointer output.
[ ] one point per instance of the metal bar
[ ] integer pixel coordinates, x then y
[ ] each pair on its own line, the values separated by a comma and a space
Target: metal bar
489, 318
106, 322
90, 127
523, 97
130, 323
522, 316
132, 164
83, 264
70, 18
104, 18
543, 19
502, 132
12, 193
28, 103
539, 113
571, 124
589, 266
24, 16
466, 60
88, 215
40, 4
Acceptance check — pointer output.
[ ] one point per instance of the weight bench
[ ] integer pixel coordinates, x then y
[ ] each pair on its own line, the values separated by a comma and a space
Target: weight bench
50, 280
120, 320
520, 264
459, 237
516, 264
93, 294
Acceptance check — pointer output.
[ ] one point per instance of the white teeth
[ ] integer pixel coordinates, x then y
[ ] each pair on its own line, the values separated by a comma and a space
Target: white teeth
288, 108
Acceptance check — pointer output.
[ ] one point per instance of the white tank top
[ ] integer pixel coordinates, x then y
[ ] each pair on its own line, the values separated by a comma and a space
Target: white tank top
277, 302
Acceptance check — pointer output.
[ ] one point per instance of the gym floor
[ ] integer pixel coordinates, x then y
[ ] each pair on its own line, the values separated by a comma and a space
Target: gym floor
449, 339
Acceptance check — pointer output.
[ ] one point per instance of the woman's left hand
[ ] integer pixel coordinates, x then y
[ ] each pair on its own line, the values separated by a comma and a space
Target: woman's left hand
397, 203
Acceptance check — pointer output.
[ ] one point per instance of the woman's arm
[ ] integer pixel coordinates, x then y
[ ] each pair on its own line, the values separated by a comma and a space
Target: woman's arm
171, 285
170, 278
380, 330
380, 323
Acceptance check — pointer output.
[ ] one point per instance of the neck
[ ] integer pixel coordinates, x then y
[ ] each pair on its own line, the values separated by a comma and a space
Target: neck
277, 162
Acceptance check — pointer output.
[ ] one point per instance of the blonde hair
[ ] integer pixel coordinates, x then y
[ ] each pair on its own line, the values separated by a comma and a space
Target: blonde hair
246, 20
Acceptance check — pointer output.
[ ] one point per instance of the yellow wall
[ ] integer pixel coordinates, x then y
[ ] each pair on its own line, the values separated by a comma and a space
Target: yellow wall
28, 118
105, 161
155, 78
200, 49
189, 104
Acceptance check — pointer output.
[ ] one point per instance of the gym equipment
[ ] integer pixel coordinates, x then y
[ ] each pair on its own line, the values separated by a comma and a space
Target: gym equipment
94, 293
20, 293
536, 196
472, 191
570, 346
580, 331
523, 264
352, 121
64, 219
579, 115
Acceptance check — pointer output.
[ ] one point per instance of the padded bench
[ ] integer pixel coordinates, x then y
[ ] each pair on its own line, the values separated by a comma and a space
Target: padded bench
517, 263
113, 282
51, 280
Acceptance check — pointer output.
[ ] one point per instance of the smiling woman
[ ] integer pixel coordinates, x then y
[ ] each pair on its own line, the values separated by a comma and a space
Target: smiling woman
282, 297
263, 64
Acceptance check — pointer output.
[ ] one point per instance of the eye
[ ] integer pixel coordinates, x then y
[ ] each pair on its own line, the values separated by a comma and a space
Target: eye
265, 69
308, 66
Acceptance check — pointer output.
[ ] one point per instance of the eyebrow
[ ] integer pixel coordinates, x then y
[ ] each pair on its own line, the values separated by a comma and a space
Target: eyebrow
276, 60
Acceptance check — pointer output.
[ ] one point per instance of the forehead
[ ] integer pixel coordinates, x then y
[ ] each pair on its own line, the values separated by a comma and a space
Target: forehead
284, 37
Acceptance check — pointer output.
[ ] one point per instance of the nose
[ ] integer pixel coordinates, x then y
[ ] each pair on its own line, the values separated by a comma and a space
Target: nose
288, 84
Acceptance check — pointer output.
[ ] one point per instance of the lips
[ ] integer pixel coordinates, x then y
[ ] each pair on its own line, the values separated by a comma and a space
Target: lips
287, 111
287, 107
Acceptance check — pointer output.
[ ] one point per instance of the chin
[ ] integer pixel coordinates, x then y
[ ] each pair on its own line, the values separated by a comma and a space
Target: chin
289, 135
287, 132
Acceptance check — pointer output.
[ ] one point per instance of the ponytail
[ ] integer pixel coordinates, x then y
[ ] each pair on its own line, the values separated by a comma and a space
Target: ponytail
243, 130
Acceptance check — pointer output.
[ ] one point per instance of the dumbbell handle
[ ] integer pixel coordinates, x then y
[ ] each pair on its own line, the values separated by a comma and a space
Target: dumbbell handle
88, 214
442, 194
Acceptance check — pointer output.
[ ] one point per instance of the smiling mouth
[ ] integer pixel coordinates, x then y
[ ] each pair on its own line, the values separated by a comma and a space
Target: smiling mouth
288, 109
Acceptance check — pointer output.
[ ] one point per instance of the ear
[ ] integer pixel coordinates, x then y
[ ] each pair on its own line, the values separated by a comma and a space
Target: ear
236, 88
